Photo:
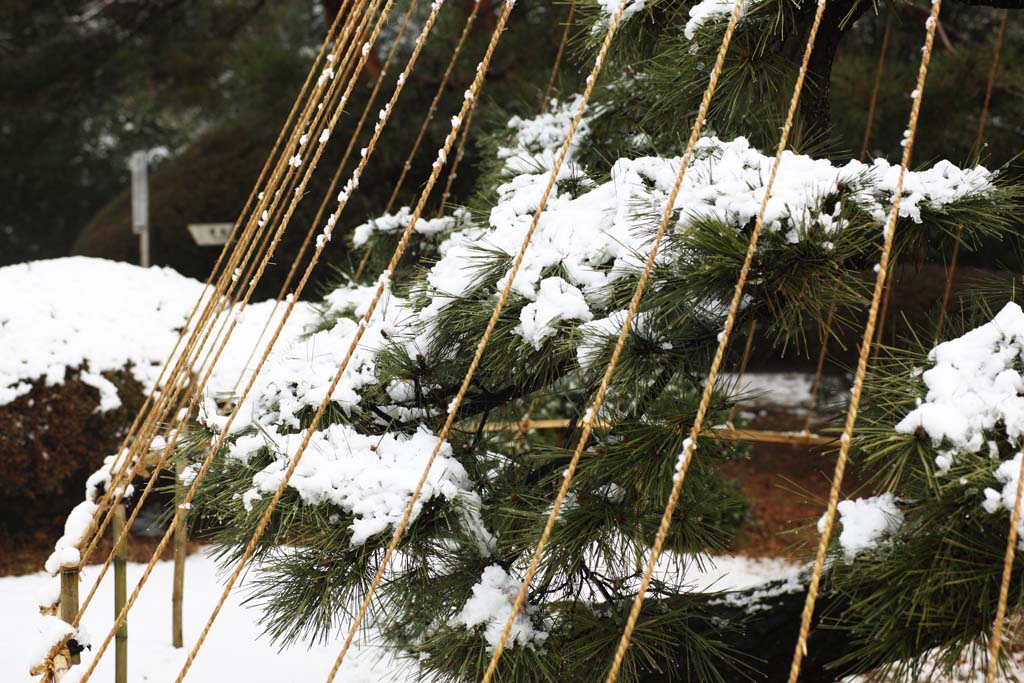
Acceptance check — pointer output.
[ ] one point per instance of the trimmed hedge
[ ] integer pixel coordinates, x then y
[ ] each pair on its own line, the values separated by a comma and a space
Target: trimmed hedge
52, 439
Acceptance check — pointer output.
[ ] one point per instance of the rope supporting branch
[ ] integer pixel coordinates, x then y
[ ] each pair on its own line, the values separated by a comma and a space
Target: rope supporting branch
261, 526
453, 407
431, 110
308, 239
460, 151
975, 156
179, 514
472, 93
558, 57
720, 433
865, 352
1011, 540
690, 444
869, 125
171, 388
208, 365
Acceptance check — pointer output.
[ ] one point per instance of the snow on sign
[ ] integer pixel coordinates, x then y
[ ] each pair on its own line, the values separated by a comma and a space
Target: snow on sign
210, 234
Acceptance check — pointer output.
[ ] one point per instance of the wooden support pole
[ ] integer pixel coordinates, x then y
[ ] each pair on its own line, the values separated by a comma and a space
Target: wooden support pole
720, 433
180, 543
69, 600
117, 523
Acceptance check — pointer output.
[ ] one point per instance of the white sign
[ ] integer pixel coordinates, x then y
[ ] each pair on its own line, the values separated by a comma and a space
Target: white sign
140, 192
210, 234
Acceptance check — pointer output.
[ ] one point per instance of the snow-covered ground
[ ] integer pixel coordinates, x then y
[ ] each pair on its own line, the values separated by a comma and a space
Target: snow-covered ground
103, 316
234, 650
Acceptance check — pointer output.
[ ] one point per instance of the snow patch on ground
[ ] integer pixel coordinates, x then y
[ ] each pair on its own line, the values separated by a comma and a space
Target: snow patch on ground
106, 316
234, 650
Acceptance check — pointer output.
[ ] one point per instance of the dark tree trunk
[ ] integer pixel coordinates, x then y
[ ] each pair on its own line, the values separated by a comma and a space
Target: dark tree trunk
815, 101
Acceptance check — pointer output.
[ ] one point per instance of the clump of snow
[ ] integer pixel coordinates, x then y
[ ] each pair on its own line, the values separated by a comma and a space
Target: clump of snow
536, 141
491, 605
1007, 473
556, 301
371, 477
66, 550
399, 221
974, 385
610, 7
593, 238
711, 11
51, 632
866, 522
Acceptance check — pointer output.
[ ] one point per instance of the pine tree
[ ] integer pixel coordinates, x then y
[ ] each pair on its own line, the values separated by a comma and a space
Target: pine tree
916, 568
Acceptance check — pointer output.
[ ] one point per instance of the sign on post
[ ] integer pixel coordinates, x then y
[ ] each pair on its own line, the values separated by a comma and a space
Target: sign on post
210, 234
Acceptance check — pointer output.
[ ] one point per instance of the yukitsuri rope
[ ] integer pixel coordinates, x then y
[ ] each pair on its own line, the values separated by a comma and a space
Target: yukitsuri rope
734, 305
265, 519
459, 153
865, 351
975, 155
172, 386
558, 57
1011, 541
744, 359
431, 110
869, 125
261, 526
873, 102
308, 239
179, 513
826, 334
454, 405
176, 430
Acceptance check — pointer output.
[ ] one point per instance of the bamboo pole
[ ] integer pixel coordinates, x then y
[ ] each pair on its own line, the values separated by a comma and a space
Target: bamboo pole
180, 543
69, 600
117, 523
720, 433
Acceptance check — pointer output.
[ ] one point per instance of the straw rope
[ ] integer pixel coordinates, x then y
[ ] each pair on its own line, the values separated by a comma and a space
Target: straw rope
179, 514
975, 155
1011, 541
558, 57
869, 125
865, 352
873, 102
308, 239
744, 359
398, 252
431, 110
201, 339
265, 519
734, 305
176, 430
170, 388
454, 405
459, 153
826, 333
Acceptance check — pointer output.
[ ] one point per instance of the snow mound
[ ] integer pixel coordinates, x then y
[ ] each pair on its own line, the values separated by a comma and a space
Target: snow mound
99, 316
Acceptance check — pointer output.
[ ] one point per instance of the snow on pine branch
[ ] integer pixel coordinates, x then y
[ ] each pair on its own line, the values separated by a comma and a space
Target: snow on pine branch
596, 237
974, 403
